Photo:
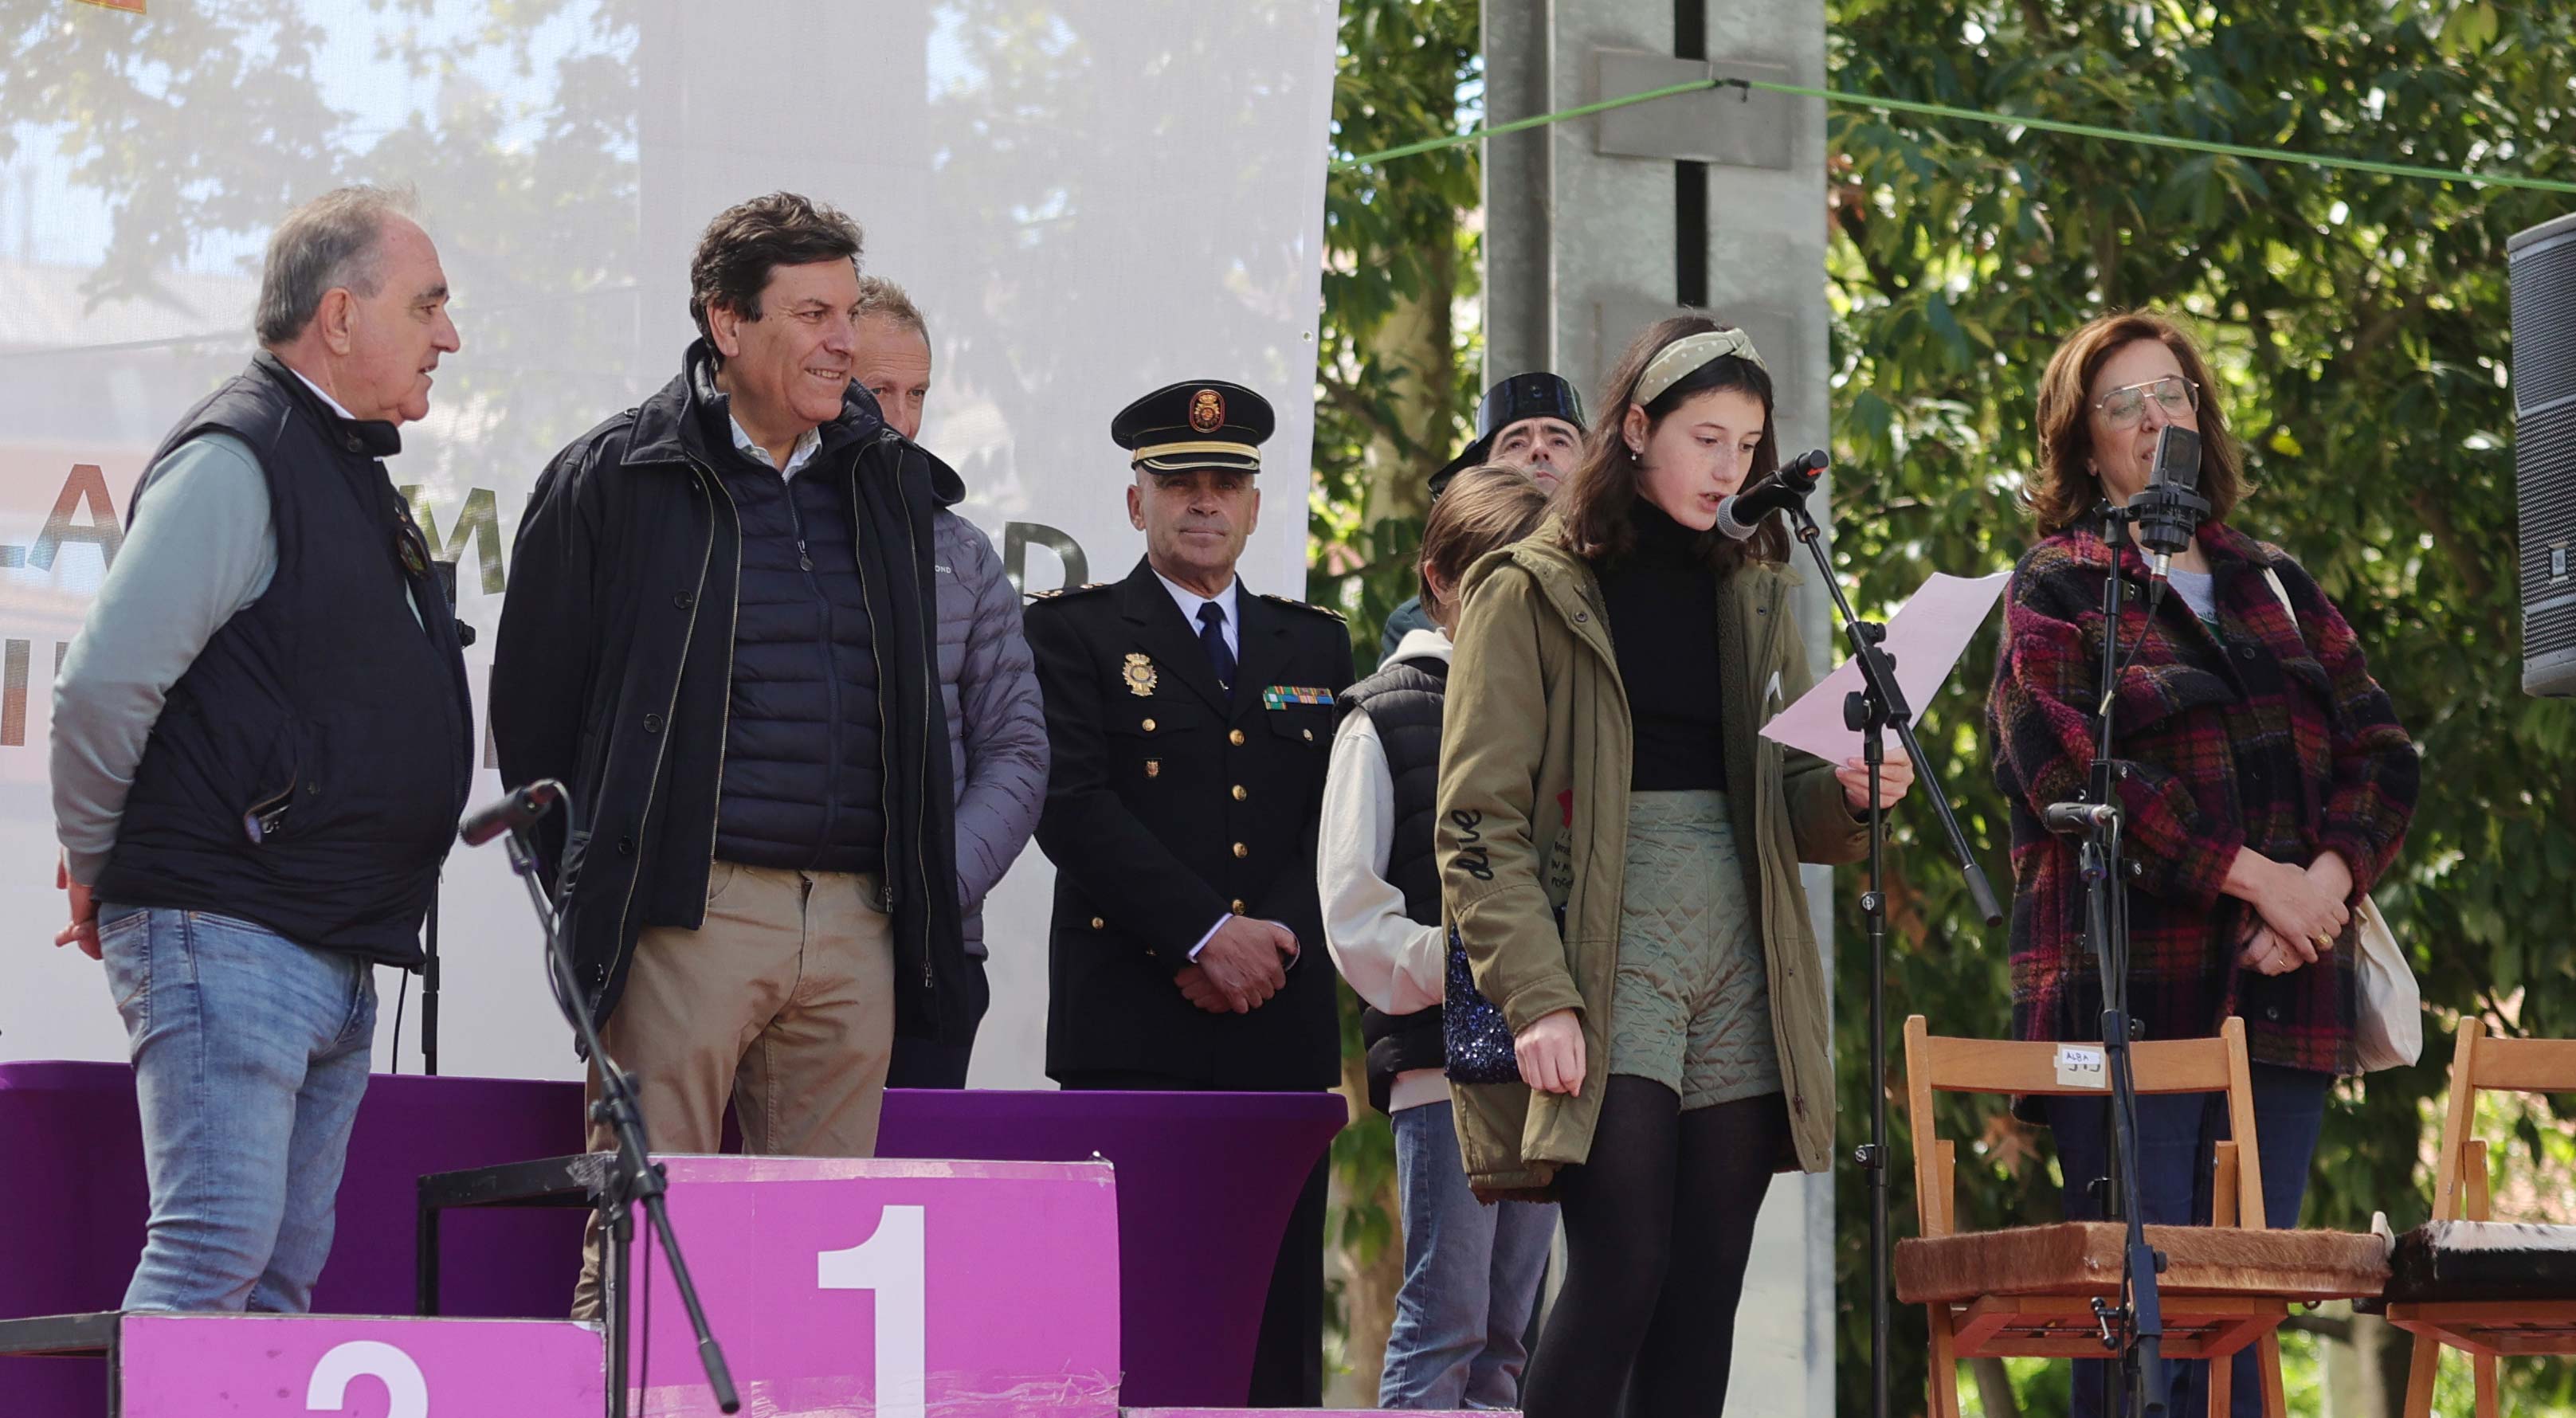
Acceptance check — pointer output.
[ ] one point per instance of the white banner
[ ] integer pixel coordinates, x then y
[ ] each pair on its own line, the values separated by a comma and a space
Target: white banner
1087, 198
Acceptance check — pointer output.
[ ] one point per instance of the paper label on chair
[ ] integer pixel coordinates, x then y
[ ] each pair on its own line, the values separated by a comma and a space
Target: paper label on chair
2081, 1067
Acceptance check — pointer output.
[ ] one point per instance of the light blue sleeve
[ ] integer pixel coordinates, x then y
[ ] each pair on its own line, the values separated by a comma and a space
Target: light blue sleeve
202, 549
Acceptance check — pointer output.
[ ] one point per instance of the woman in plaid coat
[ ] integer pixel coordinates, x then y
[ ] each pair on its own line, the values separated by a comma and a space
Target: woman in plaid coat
2270, 788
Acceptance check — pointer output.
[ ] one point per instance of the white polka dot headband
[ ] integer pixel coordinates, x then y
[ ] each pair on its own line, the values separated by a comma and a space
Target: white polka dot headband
1675, 361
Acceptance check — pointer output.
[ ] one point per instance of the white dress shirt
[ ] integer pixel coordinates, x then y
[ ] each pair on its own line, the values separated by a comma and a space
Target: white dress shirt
1189, 601
1393, 961
806, 443
321, 393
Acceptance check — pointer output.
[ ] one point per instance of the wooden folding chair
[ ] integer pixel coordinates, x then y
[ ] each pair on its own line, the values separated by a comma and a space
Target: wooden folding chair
2490, 1288
2029, 1290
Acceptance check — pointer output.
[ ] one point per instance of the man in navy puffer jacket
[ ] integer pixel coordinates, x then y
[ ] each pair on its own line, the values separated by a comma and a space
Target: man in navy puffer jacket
722, 633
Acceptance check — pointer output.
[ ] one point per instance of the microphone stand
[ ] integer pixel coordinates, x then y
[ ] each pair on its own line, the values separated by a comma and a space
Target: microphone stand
635, 1178
2135, 1327
1875, 710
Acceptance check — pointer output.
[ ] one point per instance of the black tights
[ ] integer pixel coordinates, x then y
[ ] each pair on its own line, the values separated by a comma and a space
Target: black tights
1658, 1224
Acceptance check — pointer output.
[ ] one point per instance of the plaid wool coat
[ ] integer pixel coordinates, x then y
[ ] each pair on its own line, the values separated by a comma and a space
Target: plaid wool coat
2270, 735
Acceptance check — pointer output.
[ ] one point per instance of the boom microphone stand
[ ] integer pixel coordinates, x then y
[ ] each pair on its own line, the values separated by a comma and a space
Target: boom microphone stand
635, 1178
2135, 1327
1874, 710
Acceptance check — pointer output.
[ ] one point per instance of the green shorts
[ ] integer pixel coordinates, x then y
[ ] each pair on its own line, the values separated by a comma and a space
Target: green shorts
1692, 1008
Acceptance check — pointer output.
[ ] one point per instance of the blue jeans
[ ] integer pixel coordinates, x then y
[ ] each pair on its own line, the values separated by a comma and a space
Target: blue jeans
1471, 1276
250, 1055
2176, 1137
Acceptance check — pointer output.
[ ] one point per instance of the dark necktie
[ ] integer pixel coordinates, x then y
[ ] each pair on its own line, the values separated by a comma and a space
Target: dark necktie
1212, 635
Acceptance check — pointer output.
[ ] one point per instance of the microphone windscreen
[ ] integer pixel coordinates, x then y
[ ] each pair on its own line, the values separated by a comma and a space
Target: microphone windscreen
2177, 459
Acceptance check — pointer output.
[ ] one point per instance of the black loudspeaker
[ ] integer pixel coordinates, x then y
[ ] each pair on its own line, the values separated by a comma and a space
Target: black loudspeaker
2542, 267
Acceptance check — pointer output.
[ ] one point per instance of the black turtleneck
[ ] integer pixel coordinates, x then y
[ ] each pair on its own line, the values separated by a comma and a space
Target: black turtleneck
1661, 599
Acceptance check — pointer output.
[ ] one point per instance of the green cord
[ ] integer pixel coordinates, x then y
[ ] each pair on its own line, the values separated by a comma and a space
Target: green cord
1975, 115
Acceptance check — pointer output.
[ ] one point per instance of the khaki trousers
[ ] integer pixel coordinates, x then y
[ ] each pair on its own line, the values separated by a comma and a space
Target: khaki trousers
782, 1003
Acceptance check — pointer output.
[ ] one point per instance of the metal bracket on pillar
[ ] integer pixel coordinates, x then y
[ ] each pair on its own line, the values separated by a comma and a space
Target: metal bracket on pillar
1736, 127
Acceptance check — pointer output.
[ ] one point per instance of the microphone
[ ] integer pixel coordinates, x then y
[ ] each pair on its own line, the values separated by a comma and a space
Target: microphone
1740, 516
2075, 819
521, 808
2171, 508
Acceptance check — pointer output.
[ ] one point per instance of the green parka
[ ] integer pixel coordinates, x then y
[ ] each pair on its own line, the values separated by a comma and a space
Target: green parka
1534, 770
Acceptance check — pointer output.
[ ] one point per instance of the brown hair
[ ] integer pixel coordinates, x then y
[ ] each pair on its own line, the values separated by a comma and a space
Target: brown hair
879, 296
745, 242
2063, 491
1485, 507
1594, 502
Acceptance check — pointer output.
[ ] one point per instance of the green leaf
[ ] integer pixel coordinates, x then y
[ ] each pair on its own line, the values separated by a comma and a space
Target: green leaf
2471, 28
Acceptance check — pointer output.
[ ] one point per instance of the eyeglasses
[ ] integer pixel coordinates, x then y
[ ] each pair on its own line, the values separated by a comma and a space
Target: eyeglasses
2173, 393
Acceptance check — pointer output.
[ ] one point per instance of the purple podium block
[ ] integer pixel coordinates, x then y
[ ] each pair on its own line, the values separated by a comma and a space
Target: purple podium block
1205, 1182
71, 1184
294, 1366
897, 1288
1205, 1185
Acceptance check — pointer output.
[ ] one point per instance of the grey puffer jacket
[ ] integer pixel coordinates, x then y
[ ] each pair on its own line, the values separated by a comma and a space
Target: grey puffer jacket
997, 743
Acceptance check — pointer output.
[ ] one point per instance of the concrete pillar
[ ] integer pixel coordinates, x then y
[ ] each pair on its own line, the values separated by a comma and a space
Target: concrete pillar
1597, 226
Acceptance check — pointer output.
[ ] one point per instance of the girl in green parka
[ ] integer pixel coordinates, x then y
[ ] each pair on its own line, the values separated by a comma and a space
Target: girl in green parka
1619, 853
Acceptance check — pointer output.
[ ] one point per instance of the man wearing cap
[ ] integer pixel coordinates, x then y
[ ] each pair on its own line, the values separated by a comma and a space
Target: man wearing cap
1190, 722
1533, 422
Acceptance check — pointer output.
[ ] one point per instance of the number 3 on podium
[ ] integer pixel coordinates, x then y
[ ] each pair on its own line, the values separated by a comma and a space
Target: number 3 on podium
890, 1263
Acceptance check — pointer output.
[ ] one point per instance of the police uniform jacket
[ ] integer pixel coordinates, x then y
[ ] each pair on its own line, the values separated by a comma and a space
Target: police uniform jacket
1171, 804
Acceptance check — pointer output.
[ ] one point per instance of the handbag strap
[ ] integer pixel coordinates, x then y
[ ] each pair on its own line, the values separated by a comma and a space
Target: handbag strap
2272, 579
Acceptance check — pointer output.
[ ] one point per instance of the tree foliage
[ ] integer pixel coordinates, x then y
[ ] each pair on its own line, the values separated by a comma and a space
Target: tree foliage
1395, 380
2359, 323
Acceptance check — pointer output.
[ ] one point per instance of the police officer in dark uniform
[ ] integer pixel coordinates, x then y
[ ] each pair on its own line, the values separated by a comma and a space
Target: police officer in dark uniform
1189, 722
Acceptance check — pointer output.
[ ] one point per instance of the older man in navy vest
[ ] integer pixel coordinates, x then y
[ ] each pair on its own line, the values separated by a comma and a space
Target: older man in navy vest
262, 740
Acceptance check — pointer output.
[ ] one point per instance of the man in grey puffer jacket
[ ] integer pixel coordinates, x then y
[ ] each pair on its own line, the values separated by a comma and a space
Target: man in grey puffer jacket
997, 741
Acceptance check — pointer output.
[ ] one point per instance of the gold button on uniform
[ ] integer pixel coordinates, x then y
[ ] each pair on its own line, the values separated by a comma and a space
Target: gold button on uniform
1236, 908
1309, 733
1149, 726
1098, 924
1235, 737
1241, 850
1239, 793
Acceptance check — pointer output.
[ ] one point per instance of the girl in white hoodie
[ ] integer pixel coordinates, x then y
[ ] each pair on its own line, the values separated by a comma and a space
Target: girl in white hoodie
1471, 1272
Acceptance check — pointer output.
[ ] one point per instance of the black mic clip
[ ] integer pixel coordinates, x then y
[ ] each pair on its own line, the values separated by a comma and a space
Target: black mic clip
2166, 517
1740, 516
2079, 819
519, 809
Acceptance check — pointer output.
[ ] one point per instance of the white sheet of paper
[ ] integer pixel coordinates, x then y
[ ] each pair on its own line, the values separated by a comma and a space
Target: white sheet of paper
1927, 635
